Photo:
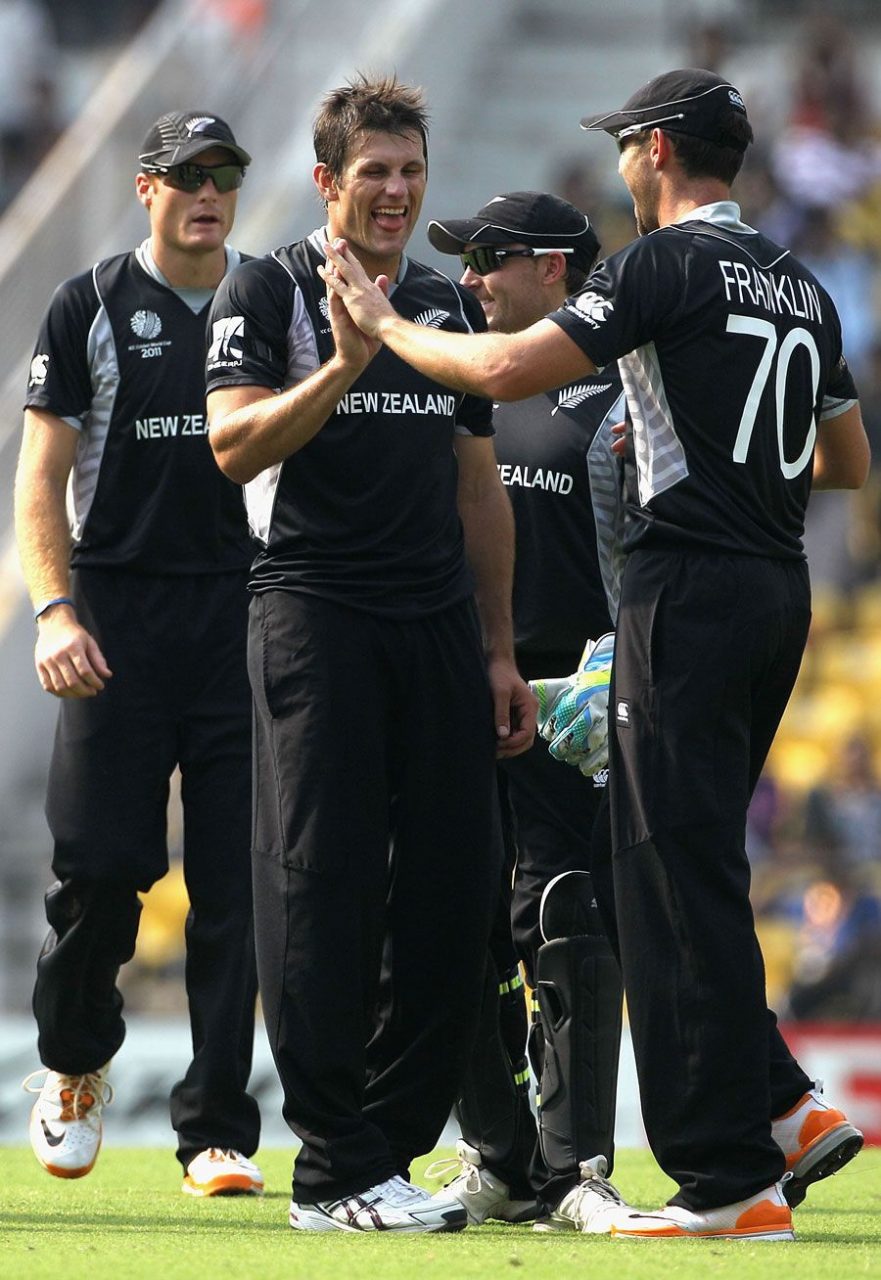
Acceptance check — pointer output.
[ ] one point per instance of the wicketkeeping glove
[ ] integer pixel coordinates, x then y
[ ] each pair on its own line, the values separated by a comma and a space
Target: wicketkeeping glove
573, 710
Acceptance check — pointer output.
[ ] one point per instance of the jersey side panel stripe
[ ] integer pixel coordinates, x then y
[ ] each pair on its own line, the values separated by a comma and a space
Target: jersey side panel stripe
104, 367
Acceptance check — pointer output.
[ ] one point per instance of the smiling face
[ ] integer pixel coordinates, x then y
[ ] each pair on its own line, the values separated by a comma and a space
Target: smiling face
520, 292
375, 201
187, 224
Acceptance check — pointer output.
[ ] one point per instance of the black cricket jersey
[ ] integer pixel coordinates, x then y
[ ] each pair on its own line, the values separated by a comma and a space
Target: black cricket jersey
365, 513
554, 458
730, 355
118, 357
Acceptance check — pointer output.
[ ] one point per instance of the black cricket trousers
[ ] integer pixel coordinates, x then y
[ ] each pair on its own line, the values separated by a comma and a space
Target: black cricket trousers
179, 695
708, 648
373, 847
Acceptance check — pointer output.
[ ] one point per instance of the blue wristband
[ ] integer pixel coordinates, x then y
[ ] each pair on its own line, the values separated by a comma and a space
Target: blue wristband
49, 603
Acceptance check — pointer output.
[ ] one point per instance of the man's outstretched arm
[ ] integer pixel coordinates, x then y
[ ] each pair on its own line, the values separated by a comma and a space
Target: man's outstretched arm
500, 366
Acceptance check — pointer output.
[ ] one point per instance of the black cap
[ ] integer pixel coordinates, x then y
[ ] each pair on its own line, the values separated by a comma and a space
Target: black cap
691, 101
528, 217
180, 136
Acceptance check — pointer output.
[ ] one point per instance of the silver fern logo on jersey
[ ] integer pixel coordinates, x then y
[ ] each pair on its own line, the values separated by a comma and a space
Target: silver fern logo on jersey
592, 307
146, 324
431, 319
572, 397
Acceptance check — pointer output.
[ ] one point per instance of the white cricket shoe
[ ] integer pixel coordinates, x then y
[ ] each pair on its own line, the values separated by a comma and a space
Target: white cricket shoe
393, 1205
481, 1193
817, 1141
220, 1171
764, 1216
65, 1126
591, 1207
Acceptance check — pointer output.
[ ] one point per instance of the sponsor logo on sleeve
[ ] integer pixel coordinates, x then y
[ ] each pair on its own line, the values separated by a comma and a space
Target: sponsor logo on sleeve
39, 370
590, 307
622, 711
227, 350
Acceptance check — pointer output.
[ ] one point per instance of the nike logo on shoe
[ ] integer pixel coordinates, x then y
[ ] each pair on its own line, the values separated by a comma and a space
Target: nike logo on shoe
53, 1139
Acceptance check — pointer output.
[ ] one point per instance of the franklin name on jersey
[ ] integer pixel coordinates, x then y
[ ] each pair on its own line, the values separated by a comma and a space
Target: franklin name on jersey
723, 432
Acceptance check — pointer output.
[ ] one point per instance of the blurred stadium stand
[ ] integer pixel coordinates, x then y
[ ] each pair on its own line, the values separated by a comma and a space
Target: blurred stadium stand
507, 83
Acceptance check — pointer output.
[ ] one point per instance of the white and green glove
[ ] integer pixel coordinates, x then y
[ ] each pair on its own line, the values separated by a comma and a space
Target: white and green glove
573, 710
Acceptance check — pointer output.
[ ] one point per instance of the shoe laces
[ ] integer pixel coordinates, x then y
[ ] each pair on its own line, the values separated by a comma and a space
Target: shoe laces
397, 1192
591, 1173
77, 1096
453, 1168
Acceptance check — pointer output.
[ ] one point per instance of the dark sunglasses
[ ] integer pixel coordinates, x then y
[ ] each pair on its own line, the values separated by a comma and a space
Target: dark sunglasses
485, 258
191, 177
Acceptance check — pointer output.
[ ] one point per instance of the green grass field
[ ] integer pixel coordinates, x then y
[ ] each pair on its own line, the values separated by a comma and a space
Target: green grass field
128, 1218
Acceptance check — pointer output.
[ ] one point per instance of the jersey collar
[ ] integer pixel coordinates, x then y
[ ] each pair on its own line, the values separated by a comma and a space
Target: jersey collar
195, 299
719, 213
319, 240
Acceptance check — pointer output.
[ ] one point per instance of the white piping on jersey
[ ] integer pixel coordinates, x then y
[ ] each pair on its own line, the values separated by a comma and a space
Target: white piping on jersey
607, 500
302, 348
725, 214
103, 364
660, 456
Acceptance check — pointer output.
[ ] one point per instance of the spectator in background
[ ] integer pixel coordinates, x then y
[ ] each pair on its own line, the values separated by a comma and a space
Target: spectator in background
837, 950
827, 156
843, 818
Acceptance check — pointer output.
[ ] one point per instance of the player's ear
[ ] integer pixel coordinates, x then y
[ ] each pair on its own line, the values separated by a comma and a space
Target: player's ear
660, 148
144, 189
325, 182
554, 266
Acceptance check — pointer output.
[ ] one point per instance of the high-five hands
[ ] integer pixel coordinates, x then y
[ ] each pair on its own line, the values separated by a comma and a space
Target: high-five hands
365, 300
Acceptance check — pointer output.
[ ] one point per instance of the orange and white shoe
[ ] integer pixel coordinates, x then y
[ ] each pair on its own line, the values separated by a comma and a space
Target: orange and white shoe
764, 1216
817, 1141
65, 1126
220, 1171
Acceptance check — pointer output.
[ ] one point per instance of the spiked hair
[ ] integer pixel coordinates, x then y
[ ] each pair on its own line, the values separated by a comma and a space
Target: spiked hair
366, 105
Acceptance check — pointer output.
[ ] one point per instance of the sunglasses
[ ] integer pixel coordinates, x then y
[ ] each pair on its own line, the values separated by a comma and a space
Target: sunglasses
485, 258
191, 177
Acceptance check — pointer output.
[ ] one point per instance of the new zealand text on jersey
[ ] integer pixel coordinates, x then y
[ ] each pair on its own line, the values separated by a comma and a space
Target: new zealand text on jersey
781, 294
178, 424
535, 478
396, 402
